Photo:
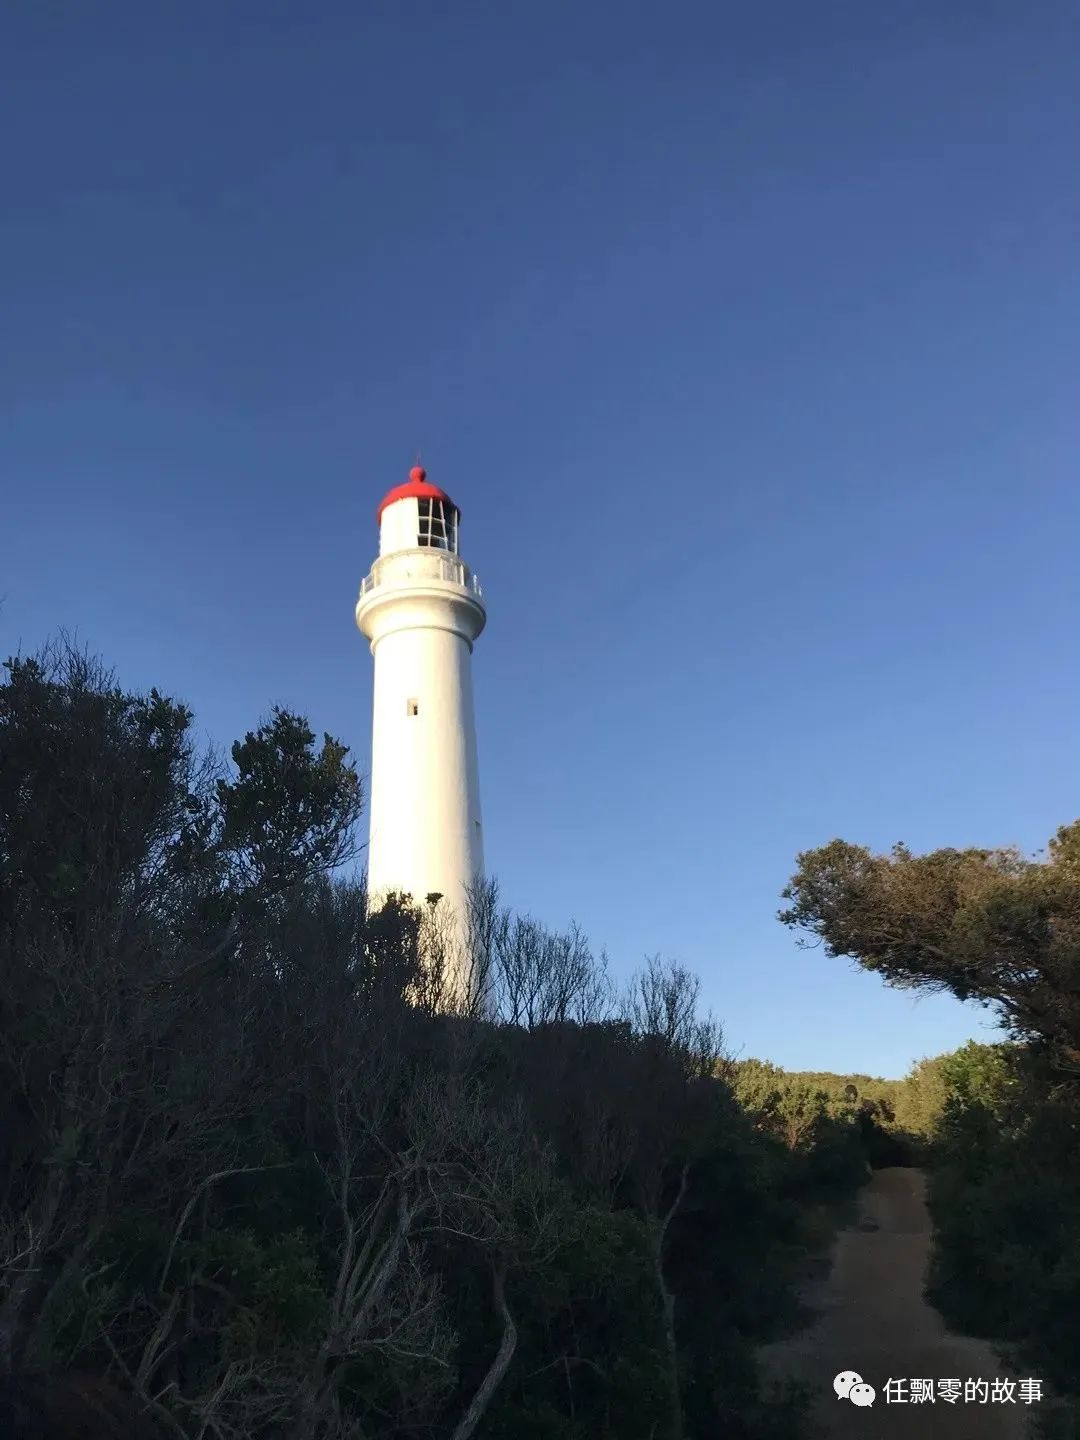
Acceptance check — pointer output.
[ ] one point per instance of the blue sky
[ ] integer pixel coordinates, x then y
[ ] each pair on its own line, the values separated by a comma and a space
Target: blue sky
746, 339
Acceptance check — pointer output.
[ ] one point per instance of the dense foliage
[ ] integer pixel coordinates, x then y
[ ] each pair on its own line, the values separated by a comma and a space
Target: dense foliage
1003, 1120
256, 1174
840, 1124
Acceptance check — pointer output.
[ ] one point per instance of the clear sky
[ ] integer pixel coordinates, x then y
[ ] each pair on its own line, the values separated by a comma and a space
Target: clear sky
745, 336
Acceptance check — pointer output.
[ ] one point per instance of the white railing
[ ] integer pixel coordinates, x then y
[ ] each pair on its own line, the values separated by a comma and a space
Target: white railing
410, 568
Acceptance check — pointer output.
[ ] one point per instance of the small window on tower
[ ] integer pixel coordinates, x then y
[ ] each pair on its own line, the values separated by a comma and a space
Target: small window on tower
412, 707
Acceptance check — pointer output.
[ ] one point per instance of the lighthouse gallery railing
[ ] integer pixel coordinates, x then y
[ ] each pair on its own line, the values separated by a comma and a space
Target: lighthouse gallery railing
420, 565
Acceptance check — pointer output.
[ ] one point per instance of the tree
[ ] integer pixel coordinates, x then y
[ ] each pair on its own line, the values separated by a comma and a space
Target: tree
94, 785
791, 1107
1003, 929
290, 811
1005, 1198
119, 848
257, 1173
986, 925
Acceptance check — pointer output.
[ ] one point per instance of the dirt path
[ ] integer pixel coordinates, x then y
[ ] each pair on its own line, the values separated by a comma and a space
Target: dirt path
874, 1320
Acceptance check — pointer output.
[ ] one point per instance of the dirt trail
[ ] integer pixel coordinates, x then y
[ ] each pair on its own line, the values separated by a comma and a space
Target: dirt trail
875, 1321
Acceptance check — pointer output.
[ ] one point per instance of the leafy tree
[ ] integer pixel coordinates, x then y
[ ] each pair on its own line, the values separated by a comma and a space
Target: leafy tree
1005, 1196
986, 925
289, 812
1002, 929
261, 1172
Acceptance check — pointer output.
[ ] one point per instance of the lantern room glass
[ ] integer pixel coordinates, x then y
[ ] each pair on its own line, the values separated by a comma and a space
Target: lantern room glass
437, 524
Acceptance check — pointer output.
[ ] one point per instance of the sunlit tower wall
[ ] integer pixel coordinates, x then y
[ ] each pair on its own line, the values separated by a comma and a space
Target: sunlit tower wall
420, 608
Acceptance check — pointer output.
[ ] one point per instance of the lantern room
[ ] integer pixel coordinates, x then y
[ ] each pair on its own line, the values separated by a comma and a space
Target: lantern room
417, 516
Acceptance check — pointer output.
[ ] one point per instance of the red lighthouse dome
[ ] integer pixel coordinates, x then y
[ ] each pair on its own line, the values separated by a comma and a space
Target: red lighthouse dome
417, 487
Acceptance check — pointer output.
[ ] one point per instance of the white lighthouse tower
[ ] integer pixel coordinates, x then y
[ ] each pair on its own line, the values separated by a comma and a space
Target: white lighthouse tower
420, 607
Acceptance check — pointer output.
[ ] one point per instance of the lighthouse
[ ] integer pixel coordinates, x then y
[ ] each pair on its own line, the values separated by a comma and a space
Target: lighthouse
420, 608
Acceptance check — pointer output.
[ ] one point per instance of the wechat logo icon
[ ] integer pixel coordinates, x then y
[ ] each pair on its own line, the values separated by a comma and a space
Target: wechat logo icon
851, 1386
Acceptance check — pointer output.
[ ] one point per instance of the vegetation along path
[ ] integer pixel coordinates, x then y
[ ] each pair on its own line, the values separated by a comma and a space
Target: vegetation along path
873, 1320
